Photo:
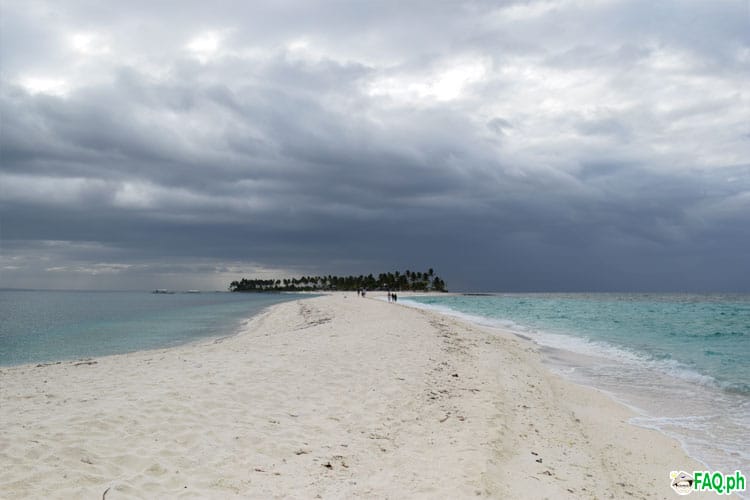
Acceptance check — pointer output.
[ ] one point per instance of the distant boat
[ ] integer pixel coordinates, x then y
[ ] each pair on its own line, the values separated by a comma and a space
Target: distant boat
161, 290
193, 291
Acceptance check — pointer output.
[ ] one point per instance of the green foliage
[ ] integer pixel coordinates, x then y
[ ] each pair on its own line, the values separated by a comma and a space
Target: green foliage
409, 281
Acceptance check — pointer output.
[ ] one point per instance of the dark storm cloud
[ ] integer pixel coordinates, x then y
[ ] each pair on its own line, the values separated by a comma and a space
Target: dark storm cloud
526, 145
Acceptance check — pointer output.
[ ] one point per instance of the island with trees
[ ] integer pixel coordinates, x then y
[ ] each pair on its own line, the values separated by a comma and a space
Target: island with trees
407, 281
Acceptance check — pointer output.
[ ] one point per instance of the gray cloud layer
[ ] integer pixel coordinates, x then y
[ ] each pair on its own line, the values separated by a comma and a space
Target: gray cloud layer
549, 145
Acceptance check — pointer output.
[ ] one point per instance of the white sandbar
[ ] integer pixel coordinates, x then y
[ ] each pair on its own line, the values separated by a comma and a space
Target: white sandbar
336, 396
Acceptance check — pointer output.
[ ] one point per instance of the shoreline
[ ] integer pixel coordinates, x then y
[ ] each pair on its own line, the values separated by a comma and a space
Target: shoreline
654, 393
336, 396
137, 322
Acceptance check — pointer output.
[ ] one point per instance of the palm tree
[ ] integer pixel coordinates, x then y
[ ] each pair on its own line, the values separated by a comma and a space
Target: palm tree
410, 280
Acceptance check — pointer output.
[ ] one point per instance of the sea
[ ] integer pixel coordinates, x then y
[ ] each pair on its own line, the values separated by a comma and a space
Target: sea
680, 361
48, 326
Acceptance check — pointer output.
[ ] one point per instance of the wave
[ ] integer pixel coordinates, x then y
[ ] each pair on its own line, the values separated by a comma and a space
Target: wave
580, 345
726, 334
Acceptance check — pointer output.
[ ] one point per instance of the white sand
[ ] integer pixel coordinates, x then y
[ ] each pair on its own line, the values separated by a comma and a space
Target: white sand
335, 397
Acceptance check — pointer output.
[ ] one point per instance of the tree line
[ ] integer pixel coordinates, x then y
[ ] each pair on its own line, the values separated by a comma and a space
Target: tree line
396, 281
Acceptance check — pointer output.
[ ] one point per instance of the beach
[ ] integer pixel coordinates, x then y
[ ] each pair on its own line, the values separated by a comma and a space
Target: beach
334, 396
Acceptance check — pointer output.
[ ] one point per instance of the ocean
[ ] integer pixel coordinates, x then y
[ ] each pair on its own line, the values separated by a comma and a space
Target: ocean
681, 361
49, 326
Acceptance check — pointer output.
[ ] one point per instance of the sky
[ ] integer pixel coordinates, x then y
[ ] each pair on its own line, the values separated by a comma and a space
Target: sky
540, 145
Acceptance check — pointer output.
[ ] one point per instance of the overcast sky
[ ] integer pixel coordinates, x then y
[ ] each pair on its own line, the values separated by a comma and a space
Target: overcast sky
561, 145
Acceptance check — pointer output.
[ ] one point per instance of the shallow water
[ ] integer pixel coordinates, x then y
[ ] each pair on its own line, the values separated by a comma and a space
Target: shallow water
46, 326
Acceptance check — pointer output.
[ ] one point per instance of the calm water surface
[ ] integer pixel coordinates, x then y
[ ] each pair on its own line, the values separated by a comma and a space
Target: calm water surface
45, 326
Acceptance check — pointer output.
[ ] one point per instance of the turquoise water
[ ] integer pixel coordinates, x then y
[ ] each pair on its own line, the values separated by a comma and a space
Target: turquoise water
681, 361
46, 326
